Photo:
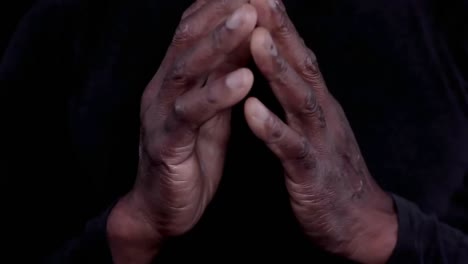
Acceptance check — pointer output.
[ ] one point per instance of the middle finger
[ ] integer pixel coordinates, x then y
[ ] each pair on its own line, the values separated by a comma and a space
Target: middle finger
295, 95
211, 51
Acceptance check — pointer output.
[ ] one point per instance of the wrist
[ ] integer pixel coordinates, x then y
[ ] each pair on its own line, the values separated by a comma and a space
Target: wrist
132, 237
376, 236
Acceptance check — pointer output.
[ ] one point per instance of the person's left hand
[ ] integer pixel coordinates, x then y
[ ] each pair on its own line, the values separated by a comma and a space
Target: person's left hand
332, 193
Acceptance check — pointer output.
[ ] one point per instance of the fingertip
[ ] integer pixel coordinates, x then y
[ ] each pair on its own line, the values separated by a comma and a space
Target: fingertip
255, 111
240, 79
259, 35
246, 15
262, 43
249, 103
249, 109
248, 77
258, 117
252, 15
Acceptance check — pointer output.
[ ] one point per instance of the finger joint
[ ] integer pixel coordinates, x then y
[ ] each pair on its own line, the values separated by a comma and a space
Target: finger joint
311, 106
180, 75
217, 40
180, 111
283, 26
275, 131
281, 71
183, 35
304, 156
309, 69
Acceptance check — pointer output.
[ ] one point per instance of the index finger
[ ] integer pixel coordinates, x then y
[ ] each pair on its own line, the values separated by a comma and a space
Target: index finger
272, 16
198, 21
293, 93
195, 24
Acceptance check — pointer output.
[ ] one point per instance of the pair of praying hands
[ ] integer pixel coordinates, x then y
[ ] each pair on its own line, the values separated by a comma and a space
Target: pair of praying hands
185, 127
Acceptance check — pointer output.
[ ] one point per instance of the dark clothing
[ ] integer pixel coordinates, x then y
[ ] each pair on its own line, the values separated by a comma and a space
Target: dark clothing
72, 80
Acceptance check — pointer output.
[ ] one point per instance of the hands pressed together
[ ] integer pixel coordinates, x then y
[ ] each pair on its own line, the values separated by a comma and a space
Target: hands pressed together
185, 127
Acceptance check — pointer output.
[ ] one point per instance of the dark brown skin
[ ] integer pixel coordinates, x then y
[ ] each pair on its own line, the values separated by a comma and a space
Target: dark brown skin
185, 117
185, 126
332, 193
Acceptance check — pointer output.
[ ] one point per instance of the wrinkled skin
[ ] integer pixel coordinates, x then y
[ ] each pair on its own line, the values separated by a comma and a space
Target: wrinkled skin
185, 116
332, 193
185, 125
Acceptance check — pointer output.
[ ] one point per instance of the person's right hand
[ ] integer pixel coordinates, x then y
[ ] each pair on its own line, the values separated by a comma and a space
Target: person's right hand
185, 125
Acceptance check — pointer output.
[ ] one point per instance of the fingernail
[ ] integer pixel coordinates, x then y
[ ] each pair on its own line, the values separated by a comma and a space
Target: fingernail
235, 80
235, 20
260, 112
270, 45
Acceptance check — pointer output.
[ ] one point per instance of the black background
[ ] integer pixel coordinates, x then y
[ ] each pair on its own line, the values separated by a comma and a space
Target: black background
11, 13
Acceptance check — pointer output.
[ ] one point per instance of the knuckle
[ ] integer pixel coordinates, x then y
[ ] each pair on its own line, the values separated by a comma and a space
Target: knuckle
304, 150
302, 157
311, 105
192, 9
283, 67
283, 27
212, 99
187, 13
305, 157
275, 130
281, 71
179, 75
217, 40
309, 68
180, 111
183, 34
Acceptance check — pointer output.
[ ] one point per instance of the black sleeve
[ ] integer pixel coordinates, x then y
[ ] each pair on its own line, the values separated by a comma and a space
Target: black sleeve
33, 71
423, 239
90, 247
